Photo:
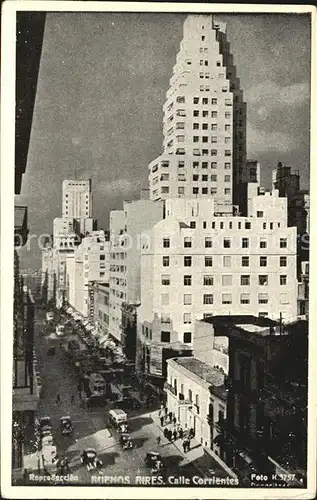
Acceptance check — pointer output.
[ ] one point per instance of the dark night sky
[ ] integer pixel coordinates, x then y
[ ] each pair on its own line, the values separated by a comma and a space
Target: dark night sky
101, 89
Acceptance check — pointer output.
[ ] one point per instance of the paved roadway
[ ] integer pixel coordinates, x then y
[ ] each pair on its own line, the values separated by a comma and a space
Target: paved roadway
90, 425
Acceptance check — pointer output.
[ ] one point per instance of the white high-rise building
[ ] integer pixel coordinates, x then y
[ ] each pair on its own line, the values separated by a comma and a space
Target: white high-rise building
68, 230
204, 124
126, 227
196, 264
77, 199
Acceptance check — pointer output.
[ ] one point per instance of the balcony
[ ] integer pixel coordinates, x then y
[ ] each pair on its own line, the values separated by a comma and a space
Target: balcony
170, 388
20, 225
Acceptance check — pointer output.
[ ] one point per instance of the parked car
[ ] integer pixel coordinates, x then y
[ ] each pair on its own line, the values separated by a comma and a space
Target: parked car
66, 426
49, 316
45, 422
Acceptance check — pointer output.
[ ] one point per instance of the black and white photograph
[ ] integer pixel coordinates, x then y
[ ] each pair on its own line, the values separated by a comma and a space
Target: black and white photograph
156, 329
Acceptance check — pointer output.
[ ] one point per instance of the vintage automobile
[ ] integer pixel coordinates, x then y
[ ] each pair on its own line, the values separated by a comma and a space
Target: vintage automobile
123, 428
66, 426
125, 441
47, 440
153, 460
45, 426
90, 459
51, 351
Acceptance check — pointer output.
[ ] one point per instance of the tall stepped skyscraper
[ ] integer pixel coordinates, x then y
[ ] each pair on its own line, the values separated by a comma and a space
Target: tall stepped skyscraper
204, 124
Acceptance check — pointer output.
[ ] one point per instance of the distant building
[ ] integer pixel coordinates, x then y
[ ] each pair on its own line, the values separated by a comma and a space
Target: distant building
126, 227
68, 232
204, 123
90, 262
298, 201
77, 199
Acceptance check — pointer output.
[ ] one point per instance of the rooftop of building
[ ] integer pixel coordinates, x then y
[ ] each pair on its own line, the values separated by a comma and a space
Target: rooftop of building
242, 321
261, 327
204, 371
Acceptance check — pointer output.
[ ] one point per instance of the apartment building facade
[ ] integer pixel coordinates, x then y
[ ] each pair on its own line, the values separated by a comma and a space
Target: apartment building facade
90, 262
126, 227
204, 125
197, 265
190, 383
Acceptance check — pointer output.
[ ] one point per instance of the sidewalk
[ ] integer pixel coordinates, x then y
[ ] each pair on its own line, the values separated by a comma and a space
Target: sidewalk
202, 461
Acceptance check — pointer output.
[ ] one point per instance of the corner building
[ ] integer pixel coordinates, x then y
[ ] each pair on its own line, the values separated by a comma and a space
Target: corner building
196, 265
204, 124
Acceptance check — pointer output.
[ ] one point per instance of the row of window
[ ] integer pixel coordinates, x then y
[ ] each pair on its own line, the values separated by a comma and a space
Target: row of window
226, 242
195, 164
245, 280
221, 225
203, 113
204, 138
204, 190
245, 261
208, 299
181, 190
202, 152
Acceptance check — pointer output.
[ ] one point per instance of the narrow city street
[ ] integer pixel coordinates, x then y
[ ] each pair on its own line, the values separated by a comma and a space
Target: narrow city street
90, 427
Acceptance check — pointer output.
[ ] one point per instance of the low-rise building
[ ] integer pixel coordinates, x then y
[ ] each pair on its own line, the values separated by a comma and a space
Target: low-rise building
195, 391
266, 424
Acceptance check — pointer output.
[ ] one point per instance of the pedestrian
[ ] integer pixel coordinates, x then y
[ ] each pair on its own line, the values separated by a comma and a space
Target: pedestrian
66, 465
165, 411
174, 420
181, 433
72, 400
58, 398
165, 432
162, 421
174, 434
170, 416
158, 440
184, 446
170, 434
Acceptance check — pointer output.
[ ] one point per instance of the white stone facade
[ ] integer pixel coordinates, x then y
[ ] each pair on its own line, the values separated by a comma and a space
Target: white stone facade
204, 124
201, 265
189, 398
126, 227
89, 263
